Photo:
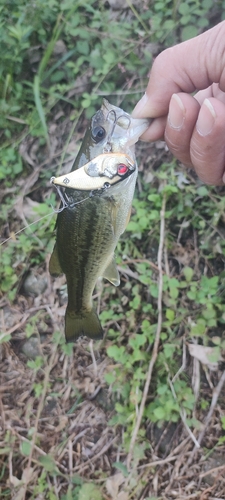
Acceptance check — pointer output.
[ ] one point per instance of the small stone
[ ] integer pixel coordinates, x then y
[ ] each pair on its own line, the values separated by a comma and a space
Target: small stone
215, 461
104, 401
59, 48
35, 285
117, 4
31, 348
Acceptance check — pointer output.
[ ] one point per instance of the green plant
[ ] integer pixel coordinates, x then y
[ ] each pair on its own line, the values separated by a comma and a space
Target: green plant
191, 304
58, 60
185, 18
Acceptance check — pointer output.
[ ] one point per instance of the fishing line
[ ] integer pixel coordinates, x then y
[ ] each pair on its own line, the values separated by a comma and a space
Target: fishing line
66, 202
41, 218
26, 227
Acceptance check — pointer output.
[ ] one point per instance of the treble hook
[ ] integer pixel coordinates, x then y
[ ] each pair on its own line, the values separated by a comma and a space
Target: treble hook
128, 118
114, 122
108, 146
65, 199
62, 198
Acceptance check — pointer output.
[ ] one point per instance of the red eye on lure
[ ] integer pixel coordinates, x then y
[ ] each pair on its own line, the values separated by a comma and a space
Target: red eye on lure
122, 169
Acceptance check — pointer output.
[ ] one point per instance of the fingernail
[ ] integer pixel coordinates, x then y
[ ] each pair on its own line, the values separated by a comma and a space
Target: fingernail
138, 110
176, 112
206, 118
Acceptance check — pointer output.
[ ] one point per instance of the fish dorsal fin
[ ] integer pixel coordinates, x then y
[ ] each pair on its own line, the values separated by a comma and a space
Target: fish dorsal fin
111, 273
54, 265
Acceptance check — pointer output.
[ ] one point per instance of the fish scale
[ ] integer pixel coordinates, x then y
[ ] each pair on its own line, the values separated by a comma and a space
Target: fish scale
88, 228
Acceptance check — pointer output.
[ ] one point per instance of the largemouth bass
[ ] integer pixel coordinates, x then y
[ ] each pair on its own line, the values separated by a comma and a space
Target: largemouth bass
95, 212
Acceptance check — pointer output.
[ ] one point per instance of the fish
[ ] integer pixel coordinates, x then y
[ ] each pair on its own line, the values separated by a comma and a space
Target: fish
96, 207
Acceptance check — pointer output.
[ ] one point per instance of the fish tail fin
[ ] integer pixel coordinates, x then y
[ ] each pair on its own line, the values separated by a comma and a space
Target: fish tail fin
84, 323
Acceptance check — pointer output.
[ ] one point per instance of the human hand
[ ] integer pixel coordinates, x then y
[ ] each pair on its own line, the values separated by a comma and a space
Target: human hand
193, 127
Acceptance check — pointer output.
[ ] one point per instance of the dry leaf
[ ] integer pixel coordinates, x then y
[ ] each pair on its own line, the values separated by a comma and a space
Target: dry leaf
63, 423
112, 485
27, 474
19, 495
206, 355
123, 495
15, 481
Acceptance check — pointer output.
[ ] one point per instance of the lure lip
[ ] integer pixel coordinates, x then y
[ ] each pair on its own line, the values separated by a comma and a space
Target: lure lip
98, 173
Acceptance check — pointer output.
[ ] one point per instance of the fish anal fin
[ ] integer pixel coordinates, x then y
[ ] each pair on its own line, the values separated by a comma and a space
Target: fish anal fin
84, 323
54, 265
111, 273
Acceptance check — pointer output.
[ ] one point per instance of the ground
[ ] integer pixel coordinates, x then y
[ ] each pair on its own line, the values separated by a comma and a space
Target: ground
139, 415
57, 432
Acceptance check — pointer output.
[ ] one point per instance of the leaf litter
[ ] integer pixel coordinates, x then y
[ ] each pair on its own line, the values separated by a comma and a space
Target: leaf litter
56, 406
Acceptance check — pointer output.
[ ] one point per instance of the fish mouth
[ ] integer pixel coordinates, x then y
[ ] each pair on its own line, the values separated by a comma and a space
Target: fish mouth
101, 173
136, 129
125, 130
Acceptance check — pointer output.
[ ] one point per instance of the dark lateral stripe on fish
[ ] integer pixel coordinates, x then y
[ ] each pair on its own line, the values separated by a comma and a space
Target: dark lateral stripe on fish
92, 242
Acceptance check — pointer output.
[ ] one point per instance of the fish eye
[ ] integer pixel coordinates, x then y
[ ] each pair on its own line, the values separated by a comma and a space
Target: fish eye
122, 169
98, 133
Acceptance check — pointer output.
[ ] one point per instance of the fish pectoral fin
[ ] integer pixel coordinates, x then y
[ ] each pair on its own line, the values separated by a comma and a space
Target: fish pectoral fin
111, 273
128, 216
54, 265
119, 229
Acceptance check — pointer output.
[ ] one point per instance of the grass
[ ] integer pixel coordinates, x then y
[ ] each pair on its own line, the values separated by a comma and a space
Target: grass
138, 416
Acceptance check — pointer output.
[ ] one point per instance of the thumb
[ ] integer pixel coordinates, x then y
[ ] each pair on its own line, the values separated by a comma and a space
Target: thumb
189, 66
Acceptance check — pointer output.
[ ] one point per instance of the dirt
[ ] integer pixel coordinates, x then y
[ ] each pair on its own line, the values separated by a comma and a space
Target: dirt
61, 407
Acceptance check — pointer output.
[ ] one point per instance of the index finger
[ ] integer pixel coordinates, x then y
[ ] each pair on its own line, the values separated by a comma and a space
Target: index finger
189, 66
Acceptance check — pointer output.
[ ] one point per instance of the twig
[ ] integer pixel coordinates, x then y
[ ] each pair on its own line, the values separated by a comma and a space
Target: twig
48, 369
105, 448
195, 379
158, 462
23, 438
142, 261
95, 368
182, 415
128, 272
183, 366
70, 453
157, 337
94, 394
15, 327
215, 396
166, 260
211, 471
